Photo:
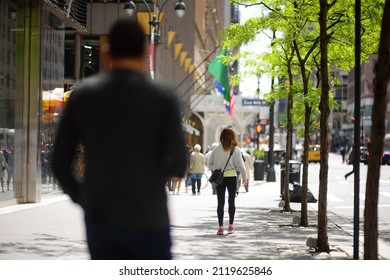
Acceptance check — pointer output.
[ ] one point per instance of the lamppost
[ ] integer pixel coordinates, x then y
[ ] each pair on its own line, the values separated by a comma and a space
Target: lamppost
154, 26
362, 115
258, 126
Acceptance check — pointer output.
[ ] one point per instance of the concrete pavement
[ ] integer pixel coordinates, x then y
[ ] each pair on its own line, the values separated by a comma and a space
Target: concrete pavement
54, 229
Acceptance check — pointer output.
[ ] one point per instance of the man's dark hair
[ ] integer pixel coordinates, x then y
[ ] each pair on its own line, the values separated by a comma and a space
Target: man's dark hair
127, 39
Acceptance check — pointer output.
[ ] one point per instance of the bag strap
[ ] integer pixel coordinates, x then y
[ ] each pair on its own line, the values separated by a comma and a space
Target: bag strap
231, 152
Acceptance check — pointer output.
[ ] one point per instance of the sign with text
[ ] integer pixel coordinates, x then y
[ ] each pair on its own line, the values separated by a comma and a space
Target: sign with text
254, 102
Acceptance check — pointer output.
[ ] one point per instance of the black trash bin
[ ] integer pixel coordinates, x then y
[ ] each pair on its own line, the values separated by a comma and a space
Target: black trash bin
258, 170
294, 172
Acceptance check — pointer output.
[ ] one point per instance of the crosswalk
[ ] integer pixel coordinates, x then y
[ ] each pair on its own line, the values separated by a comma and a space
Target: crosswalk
383, 196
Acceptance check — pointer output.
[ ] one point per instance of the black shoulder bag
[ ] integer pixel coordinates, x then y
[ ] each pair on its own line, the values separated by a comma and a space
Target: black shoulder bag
217, 175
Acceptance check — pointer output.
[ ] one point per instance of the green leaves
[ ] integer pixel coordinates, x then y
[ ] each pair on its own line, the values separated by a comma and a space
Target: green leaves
296, 47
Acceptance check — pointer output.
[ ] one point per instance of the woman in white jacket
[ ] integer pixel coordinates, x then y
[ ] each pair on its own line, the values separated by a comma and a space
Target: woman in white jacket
217, 160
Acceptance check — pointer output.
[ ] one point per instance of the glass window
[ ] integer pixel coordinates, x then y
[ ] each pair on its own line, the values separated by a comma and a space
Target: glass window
90, 55
52, 94
8, 92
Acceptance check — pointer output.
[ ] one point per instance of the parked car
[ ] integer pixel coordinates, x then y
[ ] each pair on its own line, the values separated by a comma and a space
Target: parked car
385, 160
386, 157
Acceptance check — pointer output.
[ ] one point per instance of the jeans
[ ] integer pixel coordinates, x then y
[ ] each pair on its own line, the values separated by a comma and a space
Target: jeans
111, 242
229, 183
188, 178
196, 178
10, 173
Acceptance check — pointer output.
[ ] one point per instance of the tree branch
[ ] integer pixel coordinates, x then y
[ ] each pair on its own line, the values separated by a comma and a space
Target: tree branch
336, 22
332, 4
246, 5
258, 4
313, 47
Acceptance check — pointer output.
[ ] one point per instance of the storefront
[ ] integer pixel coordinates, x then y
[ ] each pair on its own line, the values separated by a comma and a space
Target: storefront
32, 37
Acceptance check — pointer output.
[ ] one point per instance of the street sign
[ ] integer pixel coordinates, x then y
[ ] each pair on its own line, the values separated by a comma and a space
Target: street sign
254, 102
264, 121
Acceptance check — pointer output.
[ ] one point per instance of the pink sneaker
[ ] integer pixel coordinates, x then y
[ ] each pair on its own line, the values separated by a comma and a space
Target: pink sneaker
230, 229
220, 231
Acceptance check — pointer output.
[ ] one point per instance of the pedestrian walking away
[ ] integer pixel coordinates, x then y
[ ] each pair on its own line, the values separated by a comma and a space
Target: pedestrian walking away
190, 149
123, 193
176, 182
248, 165
227, 154
196, 169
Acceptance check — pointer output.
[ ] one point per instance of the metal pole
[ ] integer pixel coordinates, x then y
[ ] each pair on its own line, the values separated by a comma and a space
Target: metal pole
362, 117
258, 95
356, 151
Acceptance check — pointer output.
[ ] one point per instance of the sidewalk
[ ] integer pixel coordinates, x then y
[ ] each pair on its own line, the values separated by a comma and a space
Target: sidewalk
54, 229
263, 231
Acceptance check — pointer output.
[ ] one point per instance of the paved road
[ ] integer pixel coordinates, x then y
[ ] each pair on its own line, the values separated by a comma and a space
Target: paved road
54, 229
341, 192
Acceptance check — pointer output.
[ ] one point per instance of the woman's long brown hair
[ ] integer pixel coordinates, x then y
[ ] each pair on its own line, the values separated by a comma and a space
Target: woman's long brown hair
228, 139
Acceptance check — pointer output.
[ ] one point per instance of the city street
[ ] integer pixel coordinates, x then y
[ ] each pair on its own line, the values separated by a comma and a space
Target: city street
53, 229
341, 191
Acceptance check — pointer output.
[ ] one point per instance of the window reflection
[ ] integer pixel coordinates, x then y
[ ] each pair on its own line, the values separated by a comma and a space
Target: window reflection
8, 43
52, 92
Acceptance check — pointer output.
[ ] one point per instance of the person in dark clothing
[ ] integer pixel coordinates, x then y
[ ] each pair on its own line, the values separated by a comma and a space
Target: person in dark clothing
190, 149
122, 193
351, 159
342, 152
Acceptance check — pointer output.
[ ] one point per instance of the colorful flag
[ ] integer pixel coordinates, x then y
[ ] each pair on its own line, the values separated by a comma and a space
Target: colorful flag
221, 75
151, 53
231, 102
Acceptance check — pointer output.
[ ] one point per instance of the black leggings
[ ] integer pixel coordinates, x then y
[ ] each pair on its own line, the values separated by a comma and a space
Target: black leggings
230, 183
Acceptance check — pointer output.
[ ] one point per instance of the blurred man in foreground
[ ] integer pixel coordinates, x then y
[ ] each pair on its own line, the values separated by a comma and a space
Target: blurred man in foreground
123, 194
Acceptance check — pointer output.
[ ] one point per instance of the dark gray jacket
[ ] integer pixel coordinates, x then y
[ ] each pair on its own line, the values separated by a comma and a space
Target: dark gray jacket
130, 128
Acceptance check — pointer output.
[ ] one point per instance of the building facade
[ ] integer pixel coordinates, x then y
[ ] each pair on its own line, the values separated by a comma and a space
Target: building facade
32, 36
48, 46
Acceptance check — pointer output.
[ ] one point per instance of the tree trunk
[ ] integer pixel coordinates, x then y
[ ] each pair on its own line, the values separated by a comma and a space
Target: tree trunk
305, 162
376, 145
286, 194
304, 215
322, 239
305, 80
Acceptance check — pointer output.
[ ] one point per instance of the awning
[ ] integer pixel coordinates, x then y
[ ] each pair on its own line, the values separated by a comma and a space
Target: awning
190, 129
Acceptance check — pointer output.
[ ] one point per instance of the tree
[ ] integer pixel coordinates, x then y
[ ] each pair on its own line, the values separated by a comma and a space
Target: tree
299, 26
295, 23
322, 235
382, 79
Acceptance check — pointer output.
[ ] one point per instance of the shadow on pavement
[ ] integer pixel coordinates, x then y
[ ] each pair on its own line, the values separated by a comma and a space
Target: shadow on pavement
261, 233
39, 246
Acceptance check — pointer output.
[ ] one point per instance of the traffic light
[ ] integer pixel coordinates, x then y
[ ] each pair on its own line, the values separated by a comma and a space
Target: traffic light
259, 128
